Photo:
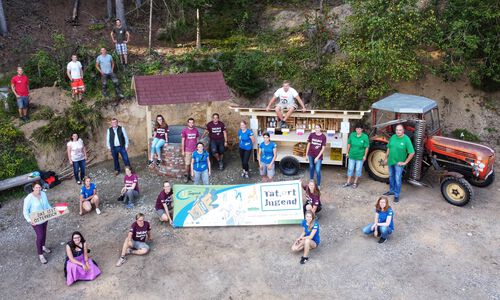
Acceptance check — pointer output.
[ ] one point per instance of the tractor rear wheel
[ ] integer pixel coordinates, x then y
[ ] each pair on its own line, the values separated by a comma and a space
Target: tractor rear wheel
456, 191
375, 163
289, 165
482, 183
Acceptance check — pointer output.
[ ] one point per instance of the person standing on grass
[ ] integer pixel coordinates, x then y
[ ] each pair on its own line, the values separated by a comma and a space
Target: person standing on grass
316, 143
267, 158
160, 138
200, 165
247, 140
20, 87
34, 202
88, 193
130, 190
165, 204
106, 67
78, 265
77, 156
399, 153
217, 133
309, 239
74, 70
117, 143
120, 37
135, 243
287, 96
189, 141
383, 224
358, 145
313, 194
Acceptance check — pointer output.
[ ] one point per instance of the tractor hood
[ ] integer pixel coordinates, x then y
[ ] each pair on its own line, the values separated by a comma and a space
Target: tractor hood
462, 148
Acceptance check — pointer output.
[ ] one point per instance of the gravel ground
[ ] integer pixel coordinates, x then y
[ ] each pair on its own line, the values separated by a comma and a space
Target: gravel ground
437, 251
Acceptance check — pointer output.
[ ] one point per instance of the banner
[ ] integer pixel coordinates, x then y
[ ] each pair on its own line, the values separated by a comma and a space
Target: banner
238, 205
59, 209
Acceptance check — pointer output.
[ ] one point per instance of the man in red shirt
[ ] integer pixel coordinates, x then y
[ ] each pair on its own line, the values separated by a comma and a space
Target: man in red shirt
20, 86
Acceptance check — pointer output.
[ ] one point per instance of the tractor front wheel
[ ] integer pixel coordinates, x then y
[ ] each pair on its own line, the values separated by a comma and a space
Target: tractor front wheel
374, 164
456, 191
482, 183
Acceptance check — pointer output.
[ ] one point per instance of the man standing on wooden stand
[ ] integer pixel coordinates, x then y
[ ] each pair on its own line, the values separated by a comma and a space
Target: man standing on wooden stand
217, 133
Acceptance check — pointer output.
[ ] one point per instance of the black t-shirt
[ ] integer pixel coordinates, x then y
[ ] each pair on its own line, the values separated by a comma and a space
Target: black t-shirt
119, 33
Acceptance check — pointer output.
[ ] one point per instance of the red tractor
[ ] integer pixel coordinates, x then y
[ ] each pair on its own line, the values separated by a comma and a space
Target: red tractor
459, 162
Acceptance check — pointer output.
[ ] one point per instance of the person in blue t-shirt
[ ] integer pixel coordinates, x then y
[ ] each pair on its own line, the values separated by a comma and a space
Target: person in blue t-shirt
266, 158
88, 196
383, 225
309, 239
200, 164
246, 142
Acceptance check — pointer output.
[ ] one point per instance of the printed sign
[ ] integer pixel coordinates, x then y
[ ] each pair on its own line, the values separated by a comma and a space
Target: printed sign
59, 209
238, 205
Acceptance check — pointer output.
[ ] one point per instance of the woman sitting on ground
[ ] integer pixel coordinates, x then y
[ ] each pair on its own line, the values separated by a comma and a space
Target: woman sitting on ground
88, 196
78, 265
160, 138
135, 243
164, 204
309, 239
131, 189
383, 224
313, 202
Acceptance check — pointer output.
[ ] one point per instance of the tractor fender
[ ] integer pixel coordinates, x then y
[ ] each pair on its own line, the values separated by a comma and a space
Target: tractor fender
449, 174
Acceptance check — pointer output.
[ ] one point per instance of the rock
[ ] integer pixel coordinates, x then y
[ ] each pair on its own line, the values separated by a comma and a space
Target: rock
469, 233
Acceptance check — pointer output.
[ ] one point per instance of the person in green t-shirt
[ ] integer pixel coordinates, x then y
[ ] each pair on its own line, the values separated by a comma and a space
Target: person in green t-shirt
399, 153
357, 149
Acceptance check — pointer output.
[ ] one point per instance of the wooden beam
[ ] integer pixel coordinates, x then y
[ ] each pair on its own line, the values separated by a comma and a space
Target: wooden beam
149, 126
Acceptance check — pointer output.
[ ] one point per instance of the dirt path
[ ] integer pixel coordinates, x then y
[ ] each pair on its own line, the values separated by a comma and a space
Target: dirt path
438, 251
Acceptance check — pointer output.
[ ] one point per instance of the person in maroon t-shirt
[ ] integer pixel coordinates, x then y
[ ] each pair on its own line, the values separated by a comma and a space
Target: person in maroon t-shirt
313, 202
20, 87
135, 243
217, 132
160, 138
189, 141
316, 143
164, 204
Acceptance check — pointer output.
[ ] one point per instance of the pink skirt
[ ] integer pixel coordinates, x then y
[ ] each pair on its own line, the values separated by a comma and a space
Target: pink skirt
76, 272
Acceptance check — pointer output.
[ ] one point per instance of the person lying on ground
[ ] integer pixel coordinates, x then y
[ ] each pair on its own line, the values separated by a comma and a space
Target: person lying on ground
135, 243
383, 224
78, 265
309, 239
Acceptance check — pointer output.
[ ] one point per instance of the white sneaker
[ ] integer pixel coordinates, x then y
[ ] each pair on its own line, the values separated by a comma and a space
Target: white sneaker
98, 211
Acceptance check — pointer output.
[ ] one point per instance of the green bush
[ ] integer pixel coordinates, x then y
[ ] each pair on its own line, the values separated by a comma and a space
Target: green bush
466, 135
42, 113
16, 157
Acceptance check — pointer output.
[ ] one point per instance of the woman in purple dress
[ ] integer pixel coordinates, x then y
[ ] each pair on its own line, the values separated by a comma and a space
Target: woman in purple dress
78, 265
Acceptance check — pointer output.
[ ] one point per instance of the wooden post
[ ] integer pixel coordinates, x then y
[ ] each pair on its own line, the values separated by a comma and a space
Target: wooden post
149, 126
209, 112
150, 22
198, 34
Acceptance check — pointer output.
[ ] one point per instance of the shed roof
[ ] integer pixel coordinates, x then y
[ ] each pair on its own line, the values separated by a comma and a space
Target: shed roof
404, 103
180, 88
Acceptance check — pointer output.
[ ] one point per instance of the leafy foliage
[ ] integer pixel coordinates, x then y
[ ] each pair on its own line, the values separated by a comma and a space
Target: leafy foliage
464, 134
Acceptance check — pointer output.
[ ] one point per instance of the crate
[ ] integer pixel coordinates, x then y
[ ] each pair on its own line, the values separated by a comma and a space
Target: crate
336, 154
299, 149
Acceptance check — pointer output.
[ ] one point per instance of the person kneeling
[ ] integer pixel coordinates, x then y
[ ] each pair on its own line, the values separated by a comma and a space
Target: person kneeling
309, 239
88, 197
164, 204
383, 224
135, 243
78, 265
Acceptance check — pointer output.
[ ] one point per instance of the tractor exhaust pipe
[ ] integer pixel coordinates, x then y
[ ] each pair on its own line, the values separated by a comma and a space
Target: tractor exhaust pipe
418, 143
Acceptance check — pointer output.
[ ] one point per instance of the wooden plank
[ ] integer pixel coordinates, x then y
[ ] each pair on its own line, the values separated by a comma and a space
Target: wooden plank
311, 111
17, 181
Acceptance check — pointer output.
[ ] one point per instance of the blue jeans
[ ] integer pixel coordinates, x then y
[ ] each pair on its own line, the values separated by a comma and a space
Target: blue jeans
352, 165
395, 179
201, 176
156, 146
315, 167
119, 150
384, 231
79, 166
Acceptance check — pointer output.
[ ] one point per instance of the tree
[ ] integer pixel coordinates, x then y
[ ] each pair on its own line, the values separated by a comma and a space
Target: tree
120, 11
3, 22
109, 9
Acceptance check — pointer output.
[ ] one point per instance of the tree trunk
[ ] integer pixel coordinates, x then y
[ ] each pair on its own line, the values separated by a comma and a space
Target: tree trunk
198, 34
150, 24
109, 9
3, 22
74, 16
120, 11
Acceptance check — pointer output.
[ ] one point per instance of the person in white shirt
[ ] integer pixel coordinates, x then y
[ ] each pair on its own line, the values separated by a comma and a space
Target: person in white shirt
74, 71
287, 96
77, 156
